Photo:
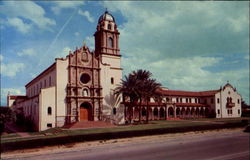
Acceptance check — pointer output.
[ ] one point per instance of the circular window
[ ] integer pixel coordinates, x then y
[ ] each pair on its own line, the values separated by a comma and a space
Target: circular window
85, 78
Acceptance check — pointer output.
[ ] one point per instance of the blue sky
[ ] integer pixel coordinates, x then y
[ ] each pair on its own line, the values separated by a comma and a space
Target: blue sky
186, 45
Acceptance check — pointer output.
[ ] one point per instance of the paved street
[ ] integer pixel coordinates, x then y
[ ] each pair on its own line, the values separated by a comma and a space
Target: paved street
214, 145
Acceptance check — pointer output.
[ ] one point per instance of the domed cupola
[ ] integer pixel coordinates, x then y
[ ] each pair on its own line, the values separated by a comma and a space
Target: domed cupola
106, 22
106, 16
107, 35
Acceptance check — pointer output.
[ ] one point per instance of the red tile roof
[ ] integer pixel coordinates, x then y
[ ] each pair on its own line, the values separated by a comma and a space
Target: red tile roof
17, 96
144, 103
188, 93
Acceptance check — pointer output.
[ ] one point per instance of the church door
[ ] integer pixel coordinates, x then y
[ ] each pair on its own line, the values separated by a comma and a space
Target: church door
85, 111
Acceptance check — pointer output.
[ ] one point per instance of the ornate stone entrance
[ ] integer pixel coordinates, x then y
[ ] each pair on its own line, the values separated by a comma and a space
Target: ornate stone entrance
86, 112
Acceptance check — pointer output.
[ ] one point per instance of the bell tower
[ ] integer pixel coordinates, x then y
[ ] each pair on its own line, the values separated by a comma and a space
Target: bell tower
107, 36
108, 53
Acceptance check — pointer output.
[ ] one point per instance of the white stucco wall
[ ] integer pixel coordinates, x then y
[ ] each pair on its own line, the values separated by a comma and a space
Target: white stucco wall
61, 84
111, 68
46, 99
47, 79
228, 92
10, 101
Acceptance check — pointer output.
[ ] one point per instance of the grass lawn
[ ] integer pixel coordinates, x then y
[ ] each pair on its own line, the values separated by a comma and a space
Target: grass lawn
11, 135
221, 119
57, 132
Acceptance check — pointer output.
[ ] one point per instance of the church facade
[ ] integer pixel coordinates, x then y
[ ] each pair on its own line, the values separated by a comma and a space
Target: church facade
80, 87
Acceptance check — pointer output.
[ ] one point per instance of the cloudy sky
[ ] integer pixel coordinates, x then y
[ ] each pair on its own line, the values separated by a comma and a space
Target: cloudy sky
186, 45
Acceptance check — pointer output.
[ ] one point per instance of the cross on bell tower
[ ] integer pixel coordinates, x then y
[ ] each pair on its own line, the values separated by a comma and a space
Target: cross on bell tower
107, 35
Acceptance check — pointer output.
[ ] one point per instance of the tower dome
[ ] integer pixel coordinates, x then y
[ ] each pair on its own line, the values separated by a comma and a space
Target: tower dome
107, 36
106, 16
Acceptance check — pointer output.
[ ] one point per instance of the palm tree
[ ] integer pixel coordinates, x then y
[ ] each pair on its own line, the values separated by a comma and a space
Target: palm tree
150, 90
142, 77
138, 85
128, 90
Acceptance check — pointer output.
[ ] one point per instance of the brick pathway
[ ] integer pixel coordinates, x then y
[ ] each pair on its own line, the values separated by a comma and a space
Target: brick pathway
89, 124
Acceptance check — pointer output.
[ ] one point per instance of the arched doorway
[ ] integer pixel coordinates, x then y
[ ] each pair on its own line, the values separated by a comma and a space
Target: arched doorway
206, 112
86, 112
202, 112
143, 113
197, 112
183, 112
136, 113
188, 112
155, 113
170, 112
192, 112
150, 117
178, 112
162, 113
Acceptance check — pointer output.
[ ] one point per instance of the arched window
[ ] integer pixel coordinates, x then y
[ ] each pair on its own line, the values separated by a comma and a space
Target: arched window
85, 92
114, 111
109, 26
49, 111
112, 80
110, 42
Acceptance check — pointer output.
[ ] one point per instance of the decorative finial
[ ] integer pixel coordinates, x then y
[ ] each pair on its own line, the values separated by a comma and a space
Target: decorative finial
106, 10
227, 81
84, 43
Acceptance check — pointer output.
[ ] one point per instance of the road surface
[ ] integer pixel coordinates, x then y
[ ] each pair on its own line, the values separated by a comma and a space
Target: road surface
211, 145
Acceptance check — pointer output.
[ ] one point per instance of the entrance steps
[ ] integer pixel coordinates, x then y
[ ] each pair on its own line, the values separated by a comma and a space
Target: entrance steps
89, 124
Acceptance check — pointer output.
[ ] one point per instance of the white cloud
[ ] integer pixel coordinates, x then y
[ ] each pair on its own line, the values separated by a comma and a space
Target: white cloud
87, 15
178, 41
76, 33
90, 42
11, 69
184, 28
11, 91
27, 52
63, 53
1, 58
247, 57
26, 10
19, 24
59, 5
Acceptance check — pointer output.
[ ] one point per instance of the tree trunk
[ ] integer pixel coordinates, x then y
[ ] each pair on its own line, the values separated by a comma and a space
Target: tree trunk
125, 115
147, 112
140, 110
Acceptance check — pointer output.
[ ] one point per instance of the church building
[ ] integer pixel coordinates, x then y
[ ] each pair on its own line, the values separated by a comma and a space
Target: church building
80, 87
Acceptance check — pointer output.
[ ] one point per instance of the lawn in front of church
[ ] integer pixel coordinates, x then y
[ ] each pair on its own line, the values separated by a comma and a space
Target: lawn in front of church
58, 132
